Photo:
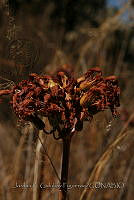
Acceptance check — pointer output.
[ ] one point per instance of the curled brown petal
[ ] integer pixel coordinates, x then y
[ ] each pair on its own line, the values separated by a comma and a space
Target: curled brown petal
5, 92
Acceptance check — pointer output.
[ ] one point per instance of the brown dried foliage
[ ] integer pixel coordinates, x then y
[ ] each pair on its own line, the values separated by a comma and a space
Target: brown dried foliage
66, 101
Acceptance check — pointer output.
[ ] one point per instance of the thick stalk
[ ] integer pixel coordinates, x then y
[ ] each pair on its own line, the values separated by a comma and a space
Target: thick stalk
65, 165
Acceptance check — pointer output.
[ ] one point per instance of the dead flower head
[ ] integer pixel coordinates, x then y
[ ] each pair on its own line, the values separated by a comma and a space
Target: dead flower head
66, 102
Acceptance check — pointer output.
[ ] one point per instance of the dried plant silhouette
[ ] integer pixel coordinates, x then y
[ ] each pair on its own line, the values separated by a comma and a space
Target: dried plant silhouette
66, 102
54, 125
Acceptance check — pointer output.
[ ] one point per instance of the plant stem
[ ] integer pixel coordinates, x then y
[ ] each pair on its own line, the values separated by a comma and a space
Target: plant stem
65, 165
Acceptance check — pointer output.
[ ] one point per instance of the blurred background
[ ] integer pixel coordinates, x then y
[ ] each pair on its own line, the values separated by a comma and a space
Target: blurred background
41, 36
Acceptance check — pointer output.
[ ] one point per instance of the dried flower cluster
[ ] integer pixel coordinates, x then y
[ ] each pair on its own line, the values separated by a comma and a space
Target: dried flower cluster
66, 102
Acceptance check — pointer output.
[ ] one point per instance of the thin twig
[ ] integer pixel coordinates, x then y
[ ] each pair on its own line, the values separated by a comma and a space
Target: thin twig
49, 158
28, 159
37, 170
65, 166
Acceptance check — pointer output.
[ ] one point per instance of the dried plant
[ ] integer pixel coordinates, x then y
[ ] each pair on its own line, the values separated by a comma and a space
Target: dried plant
67, 102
